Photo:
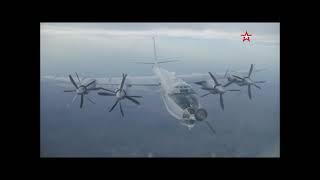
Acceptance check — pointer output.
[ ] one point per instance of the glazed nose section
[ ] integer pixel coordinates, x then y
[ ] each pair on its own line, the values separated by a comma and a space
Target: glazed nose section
201, 114
189, 113
186, 115
191, 110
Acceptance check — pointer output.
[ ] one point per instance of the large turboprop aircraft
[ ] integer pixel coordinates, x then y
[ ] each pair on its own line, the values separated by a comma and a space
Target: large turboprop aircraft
177, 94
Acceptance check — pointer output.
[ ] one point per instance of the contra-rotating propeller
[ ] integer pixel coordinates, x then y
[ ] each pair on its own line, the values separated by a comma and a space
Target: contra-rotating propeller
120, 94
81, 90
218, 89
247, 81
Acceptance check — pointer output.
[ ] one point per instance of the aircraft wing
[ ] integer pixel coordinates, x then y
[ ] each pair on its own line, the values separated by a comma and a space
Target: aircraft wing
198, 77
143, 81
130, 80
140, 81
245, 72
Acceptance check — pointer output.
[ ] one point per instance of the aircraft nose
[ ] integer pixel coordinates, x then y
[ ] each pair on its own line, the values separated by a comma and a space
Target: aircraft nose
189, 122
186, 115
191, 110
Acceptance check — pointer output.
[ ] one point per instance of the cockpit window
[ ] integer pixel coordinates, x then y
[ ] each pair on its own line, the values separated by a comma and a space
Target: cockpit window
185, 90
185, 100
184, 87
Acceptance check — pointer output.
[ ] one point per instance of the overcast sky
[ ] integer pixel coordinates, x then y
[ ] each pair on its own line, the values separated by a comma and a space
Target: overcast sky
263, 32
98, 47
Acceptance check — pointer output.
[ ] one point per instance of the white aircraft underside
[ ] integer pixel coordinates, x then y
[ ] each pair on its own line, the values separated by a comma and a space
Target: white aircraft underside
178, 96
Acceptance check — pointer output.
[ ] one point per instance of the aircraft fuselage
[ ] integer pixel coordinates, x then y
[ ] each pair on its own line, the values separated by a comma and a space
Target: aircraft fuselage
178, 96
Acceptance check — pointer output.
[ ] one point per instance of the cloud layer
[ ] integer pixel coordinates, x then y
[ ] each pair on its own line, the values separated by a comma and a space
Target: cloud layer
262, 32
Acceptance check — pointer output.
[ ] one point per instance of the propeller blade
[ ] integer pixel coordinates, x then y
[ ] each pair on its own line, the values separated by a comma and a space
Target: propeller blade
136, 96
205, 95
233, 90
105, 94
71, 79
230, 82
81, 102
74, 98
78, 78
259, 81
214, 79
221, 102
90, 100
249, 91
121, 109
122, 82
238, 77
133, 100
210, 127
90, 83
250, 71
257, 86
69, 91
114, 105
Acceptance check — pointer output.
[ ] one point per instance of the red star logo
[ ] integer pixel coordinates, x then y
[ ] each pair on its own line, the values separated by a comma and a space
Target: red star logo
246, 36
